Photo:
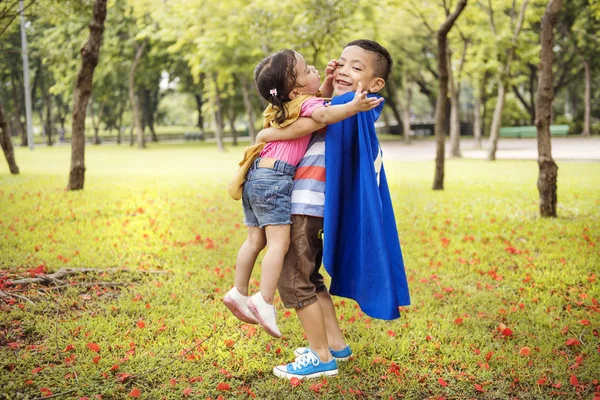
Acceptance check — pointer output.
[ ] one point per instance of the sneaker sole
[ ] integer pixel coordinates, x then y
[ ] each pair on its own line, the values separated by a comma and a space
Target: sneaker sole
283, 374
336, 358
254, 311
232, 305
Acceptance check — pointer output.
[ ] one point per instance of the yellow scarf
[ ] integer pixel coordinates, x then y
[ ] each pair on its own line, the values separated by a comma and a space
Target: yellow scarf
292, 108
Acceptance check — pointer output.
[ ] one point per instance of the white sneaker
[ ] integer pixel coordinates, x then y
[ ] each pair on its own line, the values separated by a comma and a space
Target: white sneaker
236, 302
265, 314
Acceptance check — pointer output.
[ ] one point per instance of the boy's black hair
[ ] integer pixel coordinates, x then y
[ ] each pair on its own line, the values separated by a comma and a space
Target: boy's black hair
383, 60
277, 72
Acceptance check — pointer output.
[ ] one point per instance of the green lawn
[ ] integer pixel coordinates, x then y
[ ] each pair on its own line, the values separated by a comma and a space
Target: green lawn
505, 304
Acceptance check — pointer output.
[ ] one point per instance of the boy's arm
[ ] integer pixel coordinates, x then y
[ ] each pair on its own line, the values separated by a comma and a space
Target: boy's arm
301, 127
332, 114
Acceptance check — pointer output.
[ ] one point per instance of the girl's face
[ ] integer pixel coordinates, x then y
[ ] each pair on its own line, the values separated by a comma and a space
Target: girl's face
308, 79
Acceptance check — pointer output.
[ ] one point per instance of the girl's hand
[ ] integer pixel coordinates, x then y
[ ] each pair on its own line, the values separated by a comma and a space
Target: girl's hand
363, 103
327, 86
331, 66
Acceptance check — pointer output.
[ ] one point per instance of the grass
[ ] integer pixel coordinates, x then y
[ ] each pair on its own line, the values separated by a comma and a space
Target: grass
505, 304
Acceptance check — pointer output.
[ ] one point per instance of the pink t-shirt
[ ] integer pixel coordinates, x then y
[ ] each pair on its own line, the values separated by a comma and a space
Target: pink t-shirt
292, 151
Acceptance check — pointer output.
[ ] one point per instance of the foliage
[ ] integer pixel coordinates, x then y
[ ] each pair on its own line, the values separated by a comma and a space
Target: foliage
505, 304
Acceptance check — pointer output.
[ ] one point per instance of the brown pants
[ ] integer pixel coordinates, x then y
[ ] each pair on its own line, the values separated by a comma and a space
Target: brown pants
300, 279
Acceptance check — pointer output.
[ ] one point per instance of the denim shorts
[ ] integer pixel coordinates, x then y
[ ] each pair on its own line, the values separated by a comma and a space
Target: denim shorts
267, 194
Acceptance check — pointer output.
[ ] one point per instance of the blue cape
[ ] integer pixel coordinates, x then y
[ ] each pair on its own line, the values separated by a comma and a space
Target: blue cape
361, 249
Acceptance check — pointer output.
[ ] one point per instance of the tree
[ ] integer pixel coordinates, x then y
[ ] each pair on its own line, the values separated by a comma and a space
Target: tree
504, 68
441, 110
6, 143
548, 170
83, 89
135, 109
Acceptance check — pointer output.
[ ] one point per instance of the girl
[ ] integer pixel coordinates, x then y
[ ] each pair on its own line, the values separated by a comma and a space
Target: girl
290, 85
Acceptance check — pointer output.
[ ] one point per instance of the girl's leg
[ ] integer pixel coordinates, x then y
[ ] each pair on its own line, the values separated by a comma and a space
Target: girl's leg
237, 298
261, 304
246, 258
278, 239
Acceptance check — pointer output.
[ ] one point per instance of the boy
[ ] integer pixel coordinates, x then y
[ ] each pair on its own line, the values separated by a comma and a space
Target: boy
301, 285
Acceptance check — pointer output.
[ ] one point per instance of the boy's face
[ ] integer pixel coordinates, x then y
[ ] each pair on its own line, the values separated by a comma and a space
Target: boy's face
308, 79
356, 65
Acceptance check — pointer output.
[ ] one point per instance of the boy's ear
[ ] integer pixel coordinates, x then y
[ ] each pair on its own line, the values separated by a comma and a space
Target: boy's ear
376, 85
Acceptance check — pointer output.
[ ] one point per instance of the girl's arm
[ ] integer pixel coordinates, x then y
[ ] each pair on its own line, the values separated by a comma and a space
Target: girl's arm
332, 114
301, 127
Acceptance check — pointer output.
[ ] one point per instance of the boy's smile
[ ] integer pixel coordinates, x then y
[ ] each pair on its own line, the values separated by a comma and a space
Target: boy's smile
355, 65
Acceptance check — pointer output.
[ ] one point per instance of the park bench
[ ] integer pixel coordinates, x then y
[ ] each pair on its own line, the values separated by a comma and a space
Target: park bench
193, 136
531, 131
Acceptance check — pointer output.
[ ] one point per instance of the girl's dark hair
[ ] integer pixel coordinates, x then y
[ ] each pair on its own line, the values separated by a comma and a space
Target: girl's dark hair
278, 71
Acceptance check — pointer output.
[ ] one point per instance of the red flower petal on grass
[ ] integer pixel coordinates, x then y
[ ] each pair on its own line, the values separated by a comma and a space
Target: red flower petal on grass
458, 321
295, 382
223, 386
93, 347
135, 393
573, 380
525, 351
507, 332
584, 322
479, 388
442, 382
572, 342
187, 391
141, 324
96, 359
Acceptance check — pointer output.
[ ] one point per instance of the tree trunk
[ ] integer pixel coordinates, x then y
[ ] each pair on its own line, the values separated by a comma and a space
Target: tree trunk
503, 78
96, 123
392, 100
199, 102
496, 121
135, 109
152, 112
454, 112
6, 143
406, 111
477, 122
548, 170
82, 92
249, 108
122, 104
18, 103
231, 119
48, 102
218, 115
441, 126
587, 100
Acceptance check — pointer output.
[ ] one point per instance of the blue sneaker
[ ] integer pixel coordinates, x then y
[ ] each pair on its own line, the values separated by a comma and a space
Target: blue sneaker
307, 366
339, 355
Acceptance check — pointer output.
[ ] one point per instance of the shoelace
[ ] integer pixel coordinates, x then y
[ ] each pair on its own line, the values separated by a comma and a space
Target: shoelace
304, 360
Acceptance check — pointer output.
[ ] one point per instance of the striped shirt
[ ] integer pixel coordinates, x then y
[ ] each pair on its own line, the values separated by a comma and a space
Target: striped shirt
308, 195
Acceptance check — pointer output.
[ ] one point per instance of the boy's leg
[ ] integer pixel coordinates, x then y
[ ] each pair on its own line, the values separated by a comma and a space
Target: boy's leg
335, 338
298, 291
313, 324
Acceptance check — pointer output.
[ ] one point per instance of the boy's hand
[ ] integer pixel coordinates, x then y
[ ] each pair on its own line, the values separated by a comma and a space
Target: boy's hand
363, 103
